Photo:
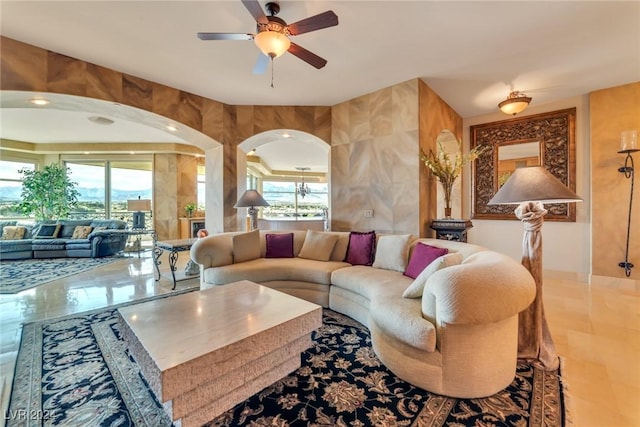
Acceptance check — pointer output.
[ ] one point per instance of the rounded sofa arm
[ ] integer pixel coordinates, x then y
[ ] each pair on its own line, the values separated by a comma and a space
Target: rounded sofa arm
213, 251
487, 287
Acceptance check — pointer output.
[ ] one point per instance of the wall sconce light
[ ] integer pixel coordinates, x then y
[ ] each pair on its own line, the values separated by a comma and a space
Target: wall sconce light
515, 103
628, 145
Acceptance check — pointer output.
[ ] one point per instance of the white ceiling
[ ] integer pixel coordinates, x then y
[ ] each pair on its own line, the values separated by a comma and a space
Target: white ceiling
471, 53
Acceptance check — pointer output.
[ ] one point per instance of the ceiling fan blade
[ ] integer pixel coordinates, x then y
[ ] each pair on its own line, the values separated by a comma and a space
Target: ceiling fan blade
225, 36
256, 11
261, 64
307, 56
313, 23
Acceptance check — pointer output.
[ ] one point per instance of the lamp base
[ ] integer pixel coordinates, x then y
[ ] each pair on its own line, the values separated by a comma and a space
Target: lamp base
138, 220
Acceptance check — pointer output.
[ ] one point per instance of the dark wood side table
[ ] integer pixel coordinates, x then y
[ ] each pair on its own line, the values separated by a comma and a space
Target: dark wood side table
451, 229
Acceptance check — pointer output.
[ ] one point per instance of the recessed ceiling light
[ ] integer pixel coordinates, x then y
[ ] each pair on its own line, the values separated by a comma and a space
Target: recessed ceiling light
172, 128
39, 101
132, 152
286, 135
86, 152
99, 120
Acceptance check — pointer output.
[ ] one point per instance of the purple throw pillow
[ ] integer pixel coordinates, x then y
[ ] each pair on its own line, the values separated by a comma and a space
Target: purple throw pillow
362, 248
422, 256
279, 245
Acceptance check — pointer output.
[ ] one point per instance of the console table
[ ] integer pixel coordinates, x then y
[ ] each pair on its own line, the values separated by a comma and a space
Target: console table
451, 229
174, 247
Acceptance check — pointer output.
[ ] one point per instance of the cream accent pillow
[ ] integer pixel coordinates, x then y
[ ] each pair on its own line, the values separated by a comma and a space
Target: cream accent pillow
416, 287
246, 246
318, 245
392, 252
81, 231
13, 232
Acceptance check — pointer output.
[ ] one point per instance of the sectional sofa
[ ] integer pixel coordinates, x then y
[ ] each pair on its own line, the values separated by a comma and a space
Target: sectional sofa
82, 238
450, 327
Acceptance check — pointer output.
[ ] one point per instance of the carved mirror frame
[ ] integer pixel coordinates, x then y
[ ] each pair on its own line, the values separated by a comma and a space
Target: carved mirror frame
555, 132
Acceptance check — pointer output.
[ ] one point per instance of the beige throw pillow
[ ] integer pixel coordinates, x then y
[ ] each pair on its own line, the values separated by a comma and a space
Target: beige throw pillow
81, 232
246, 246
392, 252
13, 232
416, 287
318, 245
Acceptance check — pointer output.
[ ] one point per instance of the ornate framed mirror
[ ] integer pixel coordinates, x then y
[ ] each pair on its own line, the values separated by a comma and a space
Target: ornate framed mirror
546, 139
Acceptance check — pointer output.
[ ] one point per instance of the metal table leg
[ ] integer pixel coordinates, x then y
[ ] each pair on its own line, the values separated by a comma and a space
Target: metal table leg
156, 260
173, 259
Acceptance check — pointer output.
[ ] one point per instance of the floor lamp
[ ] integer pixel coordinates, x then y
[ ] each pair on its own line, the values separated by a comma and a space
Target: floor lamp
529, 188
250, 199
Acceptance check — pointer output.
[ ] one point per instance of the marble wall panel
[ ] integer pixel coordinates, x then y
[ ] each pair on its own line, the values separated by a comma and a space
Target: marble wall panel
137, 92
340, 124
22, 66
405, 211
187, 185
322, 123
381, 157
612, 111
360, 125
405, 107
264, 118
104, 83
359, 163
380, 113
435, 115
165, 196
213, 119
66, 75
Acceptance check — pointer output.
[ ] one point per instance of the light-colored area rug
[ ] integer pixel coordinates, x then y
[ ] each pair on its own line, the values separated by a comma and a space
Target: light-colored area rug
18, 275
76, 371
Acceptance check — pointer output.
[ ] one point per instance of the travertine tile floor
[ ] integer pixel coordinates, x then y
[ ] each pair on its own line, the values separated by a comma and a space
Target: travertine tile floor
596, 330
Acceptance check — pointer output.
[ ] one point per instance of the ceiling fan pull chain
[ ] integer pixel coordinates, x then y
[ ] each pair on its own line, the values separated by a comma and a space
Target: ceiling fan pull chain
272, 71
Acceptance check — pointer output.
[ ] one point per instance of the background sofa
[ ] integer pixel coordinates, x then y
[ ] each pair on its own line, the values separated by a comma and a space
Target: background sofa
56, 239
452, 330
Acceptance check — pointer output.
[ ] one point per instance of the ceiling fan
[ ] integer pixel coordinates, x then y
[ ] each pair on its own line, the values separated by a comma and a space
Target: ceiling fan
272, 34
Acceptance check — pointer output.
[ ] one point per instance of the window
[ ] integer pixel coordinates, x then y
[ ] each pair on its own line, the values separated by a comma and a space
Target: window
201, 188
11, 187
106, 185
285, 202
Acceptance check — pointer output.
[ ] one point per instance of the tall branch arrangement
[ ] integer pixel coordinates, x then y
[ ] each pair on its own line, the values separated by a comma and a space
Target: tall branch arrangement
447, 168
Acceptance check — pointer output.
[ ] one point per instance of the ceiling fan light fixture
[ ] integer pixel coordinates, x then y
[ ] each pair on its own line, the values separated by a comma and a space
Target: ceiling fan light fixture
515, 103
272, 43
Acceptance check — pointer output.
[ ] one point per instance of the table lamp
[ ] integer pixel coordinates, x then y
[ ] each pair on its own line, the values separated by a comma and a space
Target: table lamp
250, 199
138, 207
529, 188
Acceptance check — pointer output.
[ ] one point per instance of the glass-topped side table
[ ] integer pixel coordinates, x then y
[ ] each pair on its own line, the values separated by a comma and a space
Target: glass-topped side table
137, 243
174, 247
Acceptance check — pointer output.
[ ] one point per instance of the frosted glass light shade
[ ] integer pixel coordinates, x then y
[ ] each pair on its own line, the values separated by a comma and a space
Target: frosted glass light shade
272, 43
515, 103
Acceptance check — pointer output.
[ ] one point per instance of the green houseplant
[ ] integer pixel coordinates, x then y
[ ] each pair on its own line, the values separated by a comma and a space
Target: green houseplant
48, 193
190, 208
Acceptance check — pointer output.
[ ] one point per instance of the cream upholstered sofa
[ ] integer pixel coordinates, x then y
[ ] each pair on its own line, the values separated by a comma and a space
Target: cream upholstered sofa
455, 330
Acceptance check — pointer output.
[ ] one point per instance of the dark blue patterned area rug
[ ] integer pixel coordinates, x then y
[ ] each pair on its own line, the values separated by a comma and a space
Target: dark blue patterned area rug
76, 371
18, 275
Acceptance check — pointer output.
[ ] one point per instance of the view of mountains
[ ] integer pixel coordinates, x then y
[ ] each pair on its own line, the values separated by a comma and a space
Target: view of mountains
86, 194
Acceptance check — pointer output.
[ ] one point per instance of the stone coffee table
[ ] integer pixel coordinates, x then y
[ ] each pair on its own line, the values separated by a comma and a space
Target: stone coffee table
204, 352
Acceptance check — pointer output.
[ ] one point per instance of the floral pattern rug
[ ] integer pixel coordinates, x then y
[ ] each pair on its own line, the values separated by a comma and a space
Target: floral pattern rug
18, 275
76, 371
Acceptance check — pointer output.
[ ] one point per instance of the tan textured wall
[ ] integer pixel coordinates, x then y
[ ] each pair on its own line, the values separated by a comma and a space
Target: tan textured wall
435, 116
374, 163
612, 111
242, 122
29, 68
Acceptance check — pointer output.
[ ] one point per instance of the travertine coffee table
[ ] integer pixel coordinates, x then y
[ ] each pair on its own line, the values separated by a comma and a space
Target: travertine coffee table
204, 352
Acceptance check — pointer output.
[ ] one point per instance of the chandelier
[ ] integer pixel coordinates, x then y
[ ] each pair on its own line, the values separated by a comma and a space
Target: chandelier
303, 189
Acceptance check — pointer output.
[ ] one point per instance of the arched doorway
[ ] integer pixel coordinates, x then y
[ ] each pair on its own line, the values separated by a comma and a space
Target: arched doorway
291, 169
